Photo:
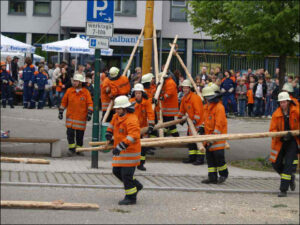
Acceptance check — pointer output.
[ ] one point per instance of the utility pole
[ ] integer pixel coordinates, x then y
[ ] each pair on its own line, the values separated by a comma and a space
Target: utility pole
148, 36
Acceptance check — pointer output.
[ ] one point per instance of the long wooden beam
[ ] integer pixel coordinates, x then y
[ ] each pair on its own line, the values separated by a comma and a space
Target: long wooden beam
24, 160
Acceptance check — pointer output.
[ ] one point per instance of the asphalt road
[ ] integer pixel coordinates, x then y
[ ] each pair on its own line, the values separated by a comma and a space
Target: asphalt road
153, 207
45, 124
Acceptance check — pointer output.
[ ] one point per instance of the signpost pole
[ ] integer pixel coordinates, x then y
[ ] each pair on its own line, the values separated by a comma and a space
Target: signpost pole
96, 125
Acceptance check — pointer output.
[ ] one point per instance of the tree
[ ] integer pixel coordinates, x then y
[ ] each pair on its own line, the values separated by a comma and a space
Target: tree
260, 27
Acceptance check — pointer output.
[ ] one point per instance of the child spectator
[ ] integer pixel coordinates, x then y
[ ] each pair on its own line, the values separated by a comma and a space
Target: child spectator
241, 91
259, 91
250, 99
274, 96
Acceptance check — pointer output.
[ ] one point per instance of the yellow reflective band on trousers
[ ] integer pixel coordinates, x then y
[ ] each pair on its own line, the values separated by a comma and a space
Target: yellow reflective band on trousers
212, 169
130, 191
78, 146
198, 152
286, 176
72, 145
143, 157
222, 168
192, 152
173, 131
295, 162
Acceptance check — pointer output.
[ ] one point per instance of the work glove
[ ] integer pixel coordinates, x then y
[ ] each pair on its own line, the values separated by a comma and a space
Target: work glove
230, 90
60, 114
154, 101
201, 130
4, 81
287, 137
194, 122
108, 135
89, 115
36, 86
223, 90
120, 147
150, 128
161, 98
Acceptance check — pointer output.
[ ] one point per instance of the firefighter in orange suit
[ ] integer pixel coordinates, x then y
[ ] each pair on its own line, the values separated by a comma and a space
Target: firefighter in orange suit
78, 102
169, 102
149, 85
191, 104
115, 86
284, 149
145, 114
124, 129
215, 122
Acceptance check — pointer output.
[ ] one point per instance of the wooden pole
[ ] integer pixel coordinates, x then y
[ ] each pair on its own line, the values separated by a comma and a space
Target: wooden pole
159, 87
194, 133
160, 120
47, 205
107, 112
24, 160
200, 138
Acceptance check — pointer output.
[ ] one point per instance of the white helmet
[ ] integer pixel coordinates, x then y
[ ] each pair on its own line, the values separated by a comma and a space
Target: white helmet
114, 71
138, 87
121, 102
214, 86
208, 91
147, 78
187, 83
284, 96
79, 77
288, 87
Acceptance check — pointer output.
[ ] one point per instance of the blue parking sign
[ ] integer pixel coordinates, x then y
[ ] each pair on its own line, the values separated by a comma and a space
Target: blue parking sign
100, 11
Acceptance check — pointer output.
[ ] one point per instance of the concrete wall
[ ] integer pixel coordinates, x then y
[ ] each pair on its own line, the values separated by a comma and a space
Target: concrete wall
29, 23
75, 16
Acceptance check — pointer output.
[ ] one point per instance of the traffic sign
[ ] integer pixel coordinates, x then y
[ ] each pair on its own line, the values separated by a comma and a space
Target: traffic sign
100, 11
99, 29
99, 43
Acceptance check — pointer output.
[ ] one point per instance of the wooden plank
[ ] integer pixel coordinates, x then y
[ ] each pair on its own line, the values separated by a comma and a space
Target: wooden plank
194, 133
47, 205
29, 140
24, 160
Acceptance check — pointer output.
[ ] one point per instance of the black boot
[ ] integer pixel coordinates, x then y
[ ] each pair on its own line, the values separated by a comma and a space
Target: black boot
71, 152
3, 106
199, 160
141, 166
139, 187
221, 179
12, 106
127, 201
293, 183
282, 194
208, 181
189, 160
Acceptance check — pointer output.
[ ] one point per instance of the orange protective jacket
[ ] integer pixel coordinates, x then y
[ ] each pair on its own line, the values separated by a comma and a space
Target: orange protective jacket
250, 97
105, 99
77, 105
192, 105
144, 112
118, 87
126, 129
295, 101
215, 122
277, 124
169, 93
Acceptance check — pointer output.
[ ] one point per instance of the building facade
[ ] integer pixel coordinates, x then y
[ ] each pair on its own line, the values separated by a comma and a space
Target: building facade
42, 21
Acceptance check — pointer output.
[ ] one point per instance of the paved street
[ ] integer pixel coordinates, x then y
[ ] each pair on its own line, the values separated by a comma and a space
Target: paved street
173, 192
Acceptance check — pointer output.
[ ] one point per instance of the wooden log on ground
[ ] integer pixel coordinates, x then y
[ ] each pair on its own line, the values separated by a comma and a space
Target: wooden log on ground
24, 160
47, 205
200, 138
161, 82
194, 133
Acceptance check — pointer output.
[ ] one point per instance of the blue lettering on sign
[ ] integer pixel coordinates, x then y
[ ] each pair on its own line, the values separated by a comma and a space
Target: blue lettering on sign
100, 11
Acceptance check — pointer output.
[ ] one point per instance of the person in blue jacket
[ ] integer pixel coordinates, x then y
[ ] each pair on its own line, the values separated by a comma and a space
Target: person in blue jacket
39, 81
6, 86
27, 76
228, 90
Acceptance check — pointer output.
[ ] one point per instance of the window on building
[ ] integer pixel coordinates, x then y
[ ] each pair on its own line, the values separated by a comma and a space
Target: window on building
42, 7
17, 7
178, 11
125, 7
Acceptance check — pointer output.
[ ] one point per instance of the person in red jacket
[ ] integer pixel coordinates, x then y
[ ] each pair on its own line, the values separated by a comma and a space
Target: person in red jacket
78, 102
284, 149
125, 130
191, 104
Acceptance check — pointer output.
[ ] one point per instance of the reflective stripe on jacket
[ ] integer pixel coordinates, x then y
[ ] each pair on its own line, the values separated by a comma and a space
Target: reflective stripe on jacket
169, 93
192, 105
144, 112
77, 105
126, 129
215, 122
277, 124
